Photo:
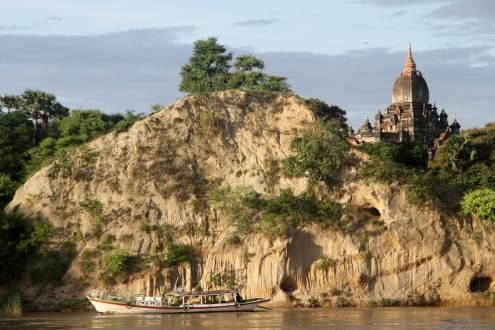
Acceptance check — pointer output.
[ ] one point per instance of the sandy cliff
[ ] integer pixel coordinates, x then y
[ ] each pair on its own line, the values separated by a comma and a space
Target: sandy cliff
157, 173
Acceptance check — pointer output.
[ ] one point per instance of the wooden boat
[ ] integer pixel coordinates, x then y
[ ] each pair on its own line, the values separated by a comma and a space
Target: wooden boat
175, 302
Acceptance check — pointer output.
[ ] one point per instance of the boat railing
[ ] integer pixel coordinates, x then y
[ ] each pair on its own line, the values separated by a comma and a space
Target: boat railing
99, 294
96, 294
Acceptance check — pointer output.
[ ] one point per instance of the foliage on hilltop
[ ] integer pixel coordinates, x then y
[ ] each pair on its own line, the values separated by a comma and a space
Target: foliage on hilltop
210, 69
35, 128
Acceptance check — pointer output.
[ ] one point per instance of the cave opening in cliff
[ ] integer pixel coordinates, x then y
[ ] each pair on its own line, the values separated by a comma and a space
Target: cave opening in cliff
373, 211
289, 284
480, 284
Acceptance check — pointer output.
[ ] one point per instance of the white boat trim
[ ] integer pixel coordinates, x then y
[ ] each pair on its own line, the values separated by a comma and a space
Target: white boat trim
105, 306
154, 305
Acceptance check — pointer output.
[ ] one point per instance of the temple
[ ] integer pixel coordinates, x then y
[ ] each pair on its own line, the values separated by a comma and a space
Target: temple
411, 116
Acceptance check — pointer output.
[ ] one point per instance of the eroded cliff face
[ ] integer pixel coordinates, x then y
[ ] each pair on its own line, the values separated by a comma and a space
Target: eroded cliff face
158, 173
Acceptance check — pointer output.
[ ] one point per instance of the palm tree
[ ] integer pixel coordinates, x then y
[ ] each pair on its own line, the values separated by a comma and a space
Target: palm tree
10, 102
461, 152
41, 107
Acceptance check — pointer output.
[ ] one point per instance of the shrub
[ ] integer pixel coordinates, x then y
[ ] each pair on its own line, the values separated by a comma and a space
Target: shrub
117, 265
94, 208
481, 203
19, 238
324, 262
179, 253
106, 243
124, 125
51, 268
275, 216
318, 155
406, 164
62, 165
7, 189
147, 227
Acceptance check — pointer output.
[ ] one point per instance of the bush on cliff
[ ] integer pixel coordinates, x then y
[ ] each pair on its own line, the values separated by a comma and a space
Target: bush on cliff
274, 216
481, 203
179, 253
117, 265
406, 164
463, 163
318, 154
468, 159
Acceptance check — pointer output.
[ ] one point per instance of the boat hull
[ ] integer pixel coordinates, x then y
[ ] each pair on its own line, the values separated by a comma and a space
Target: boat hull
104, 306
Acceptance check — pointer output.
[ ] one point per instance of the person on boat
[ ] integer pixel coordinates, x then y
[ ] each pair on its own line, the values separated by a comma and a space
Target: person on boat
238, 298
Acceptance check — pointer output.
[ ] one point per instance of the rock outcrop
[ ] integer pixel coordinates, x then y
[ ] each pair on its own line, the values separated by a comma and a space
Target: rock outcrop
148, 186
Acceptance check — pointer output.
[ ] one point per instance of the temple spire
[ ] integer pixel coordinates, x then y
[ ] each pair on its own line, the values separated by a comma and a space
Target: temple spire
409, 66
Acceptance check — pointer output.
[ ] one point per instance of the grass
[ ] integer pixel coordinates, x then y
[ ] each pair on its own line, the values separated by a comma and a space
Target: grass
11, 304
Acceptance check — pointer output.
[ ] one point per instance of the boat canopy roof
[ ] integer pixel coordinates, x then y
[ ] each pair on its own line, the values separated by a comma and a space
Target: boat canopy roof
203, 293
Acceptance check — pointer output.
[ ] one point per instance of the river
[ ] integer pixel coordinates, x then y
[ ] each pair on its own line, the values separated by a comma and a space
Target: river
322, 318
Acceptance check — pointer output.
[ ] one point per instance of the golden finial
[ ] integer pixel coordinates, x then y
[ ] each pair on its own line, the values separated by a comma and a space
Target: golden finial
409, 66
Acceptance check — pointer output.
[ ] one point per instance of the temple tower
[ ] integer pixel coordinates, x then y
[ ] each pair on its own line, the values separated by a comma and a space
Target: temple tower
410, 117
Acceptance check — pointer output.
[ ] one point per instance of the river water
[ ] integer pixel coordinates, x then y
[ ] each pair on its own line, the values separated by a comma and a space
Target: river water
322, 318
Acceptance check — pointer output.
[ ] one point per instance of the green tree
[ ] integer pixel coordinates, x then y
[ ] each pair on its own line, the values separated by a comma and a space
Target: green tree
15, 140
273, 84
248, 75
126, 122
10, 102
7, 189
318, 154
208, 68
325, 112
19, 238
39, 154
81, 126
461, 153
41, 107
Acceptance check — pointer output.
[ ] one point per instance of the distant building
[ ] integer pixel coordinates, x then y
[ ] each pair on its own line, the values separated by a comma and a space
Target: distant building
410, 117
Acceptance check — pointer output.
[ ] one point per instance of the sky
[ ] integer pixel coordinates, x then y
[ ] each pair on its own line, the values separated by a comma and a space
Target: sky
118, 55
